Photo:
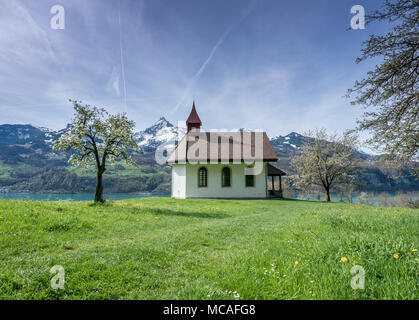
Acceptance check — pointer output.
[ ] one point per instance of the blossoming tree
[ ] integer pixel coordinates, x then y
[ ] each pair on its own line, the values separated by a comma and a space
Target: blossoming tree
325, 161
95, 136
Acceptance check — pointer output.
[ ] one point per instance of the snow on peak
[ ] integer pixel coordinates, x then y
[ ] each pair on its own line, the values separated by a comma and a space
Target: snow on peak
159, 133
294, 135
163, 122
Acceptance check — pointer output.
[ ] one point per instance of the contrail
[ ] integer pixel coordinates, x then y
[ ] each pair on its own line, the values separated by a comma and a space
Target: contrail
219, 42
36, 29
208, 60
122, 56
202, 68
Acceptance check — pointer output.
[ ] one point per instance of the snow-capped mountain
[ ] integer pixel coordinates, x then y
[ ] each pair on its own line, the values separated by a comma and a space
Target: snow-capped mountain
159, 133
22, 134
40, 137
290, 142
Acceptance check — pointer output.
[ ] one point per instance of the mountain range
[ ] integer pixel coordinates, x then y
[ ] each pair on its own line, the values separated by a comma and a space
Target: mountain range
28, 163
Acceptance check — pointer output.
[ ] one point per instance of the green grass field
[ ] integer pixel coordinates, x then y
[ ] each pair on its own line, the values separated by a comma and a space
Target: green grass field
207, 249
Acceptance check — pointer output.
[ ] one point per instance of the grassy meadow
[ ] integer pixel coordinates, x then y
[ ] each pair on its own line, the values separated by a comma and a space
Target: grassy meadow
160, 248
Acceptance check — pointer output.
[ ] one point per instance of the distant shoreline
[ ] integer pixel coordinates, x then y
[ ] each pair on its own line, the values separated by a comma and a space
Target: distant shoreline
30, 196
85, 193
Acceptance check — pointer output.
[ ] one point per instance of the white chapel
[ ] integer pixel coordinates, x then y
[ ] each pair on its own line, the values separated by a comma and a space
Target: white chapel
223, 164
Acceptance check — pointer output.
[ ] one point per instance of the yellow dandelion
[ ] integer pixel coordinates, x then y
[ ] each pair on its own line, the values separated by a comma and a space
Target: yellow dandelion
296, 262
344, 259
414, 250
157, 218
395, 256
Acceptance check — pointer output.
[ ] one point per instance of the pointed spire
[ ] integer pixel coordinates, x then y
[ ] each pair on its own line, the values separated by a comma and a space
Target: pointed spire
193, 122
193, 116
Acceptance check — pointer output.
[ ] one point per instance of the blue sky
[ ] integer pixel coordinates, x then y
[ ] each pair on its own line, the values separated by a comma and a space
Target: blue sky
276, 65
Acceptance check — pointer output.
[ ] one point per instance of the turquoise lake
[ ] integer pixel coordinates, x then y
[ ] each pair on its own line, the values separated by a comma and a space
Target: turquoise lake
71, 197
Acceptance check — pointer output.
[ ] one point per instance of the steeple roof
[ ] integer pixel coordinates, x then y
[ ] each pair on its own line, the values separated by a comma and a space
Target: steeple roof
241, 147
193, 117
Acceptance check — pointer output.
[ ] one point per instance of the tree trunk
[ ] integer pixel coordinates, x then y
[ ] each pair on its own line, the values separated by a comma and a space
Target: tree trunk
99, 186
327, 195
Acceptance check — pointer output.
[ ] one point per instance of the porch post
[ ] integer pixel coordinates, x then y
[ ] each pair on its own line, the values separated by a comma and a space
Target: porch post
280, 184
273, 184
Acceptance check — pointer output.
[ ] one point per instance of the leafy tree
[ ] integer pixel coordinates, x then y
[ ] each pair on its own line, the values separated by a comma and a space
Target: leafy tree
325, 161
96, 136
391, 89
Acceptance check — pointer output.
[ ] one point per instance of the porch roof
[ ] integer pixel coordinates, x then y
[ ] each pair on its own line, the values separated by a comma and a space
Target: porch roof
274, 171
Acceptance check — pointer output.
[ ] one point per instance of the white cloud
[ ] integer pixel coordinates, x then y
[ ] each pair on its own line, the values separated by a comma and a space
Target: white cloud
32, 26
114, 82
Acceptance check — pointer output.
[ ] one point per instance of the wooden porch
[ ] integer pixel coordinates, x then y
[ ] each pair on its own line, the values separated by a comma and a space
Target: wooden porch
275, 178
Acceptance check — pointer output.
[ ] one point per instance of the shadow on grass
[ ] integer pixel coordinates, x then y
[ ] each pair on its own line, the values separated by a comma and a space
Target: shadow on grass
106, 203
193, 214
292, 199
305, 200
164, 211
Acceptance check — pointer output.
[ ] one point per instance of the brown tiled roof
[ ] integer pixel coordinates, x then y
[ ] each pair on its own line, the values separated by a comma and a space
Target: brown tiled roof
223, 146
274, 171
193, 117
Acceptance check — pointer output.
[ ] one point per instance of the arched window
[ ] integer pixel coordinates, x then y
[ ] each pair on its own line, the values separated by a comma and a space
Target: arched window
225, 177
202, 177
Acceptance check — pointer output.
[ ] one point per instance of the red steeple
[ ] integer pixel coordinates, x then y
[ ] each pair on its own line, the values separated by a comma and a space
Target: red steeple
193, 121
